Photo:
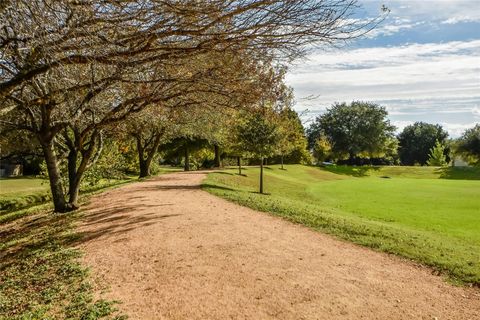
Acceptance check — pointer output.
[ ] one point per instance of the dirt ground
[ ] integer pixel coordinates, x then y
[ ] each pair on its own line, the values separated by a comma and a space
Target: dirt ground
168, 250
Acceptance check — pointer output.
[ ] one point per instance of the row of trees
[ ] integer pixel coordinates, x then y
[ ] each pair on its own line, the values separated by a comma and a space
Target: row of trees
360, 133
75, 75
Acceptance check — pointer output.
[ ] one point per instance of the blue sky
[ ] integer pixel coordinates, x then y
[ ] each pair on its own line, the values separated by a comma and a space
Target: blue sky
422, 63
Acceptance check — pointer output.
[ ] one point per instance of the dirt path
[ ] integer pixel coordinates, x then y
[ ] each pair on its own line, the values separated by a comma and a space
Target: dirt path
169, 250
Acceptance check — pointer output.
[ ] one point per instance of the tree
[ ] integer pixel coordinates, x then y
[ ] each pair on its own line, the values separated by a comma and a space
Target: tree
70, 69
75, 122
314, 133
416, 141
79, 32
352, 129
148, 129
291, 136
259, 135
233, 144
322, 150
469, 144
390, 151
437, 155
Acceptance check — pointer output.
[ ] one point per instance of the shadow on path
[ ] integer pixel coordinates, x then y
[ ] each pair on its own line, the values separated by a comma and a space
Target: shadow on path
132, 212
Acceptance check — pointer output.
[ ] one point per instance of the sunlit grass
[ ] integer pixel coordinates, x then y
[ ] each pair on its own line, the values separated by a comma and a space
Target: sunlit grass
23, 192
431, 215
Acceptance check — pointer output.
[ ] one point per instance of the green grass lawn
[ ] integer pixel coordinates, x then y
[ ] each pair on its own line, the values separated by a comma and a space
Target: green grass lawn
23, 192
427, 214
22, 185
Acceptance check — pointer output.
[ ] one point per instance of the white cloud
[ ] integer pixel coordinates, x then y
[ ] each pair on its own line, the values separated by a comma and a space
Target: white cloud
456, 129
458, 19
393, 26
437, 82
476, 112
409, 14
400, 124
446, 11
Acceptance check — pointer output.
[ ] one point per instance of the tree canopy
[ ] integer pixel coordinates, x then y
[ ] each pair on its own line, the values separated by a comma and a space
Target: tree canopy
469, 144
292, 144
437, 155
259, 135
72, 70
352, 129
416, 141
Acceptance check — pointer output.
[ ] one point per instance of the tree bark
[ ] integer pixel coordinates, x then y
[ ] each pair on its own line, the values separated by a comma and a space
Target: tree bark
239, 163
72, 166
144, 169
75, 174
145, 162
261, 175
141, 157
56, 186
187, 158
218, 162
73, 179
281, 160
73, 191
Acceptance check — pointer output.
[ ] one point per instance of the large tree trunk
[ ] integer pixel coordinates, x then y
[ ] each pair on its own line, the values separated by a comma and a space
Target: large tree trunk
73, 191
75, 174
72, 166
143, 163
218, 162
261, 176
150, 150
187, 158
281, 160
141, 157
56, 186
73, 179
146, 163
144, 169
239, 163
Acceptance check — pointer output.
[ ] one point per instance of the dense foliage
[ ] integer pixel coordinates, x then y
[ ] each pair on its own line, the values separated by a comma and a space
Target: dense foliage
292, 145
437, 155
416, 141
469, 144
259, 135
359, 129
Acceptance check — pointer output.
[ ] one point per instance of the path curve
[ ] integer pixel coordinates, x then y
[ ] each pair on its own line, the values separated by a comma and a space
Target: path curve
169, 250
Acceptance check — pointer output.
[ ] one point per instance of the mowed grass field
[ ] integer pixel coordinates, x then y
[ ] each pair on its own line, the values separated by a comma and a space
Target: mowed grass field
430, 215
22, 186
23, 192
